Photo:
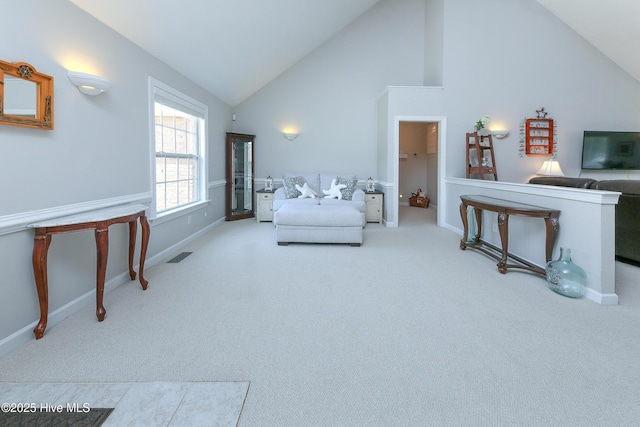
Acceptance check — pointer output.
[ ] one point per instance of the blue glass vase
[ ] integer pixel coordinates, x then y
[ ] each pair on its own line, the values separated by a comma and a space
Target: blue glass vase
565, 277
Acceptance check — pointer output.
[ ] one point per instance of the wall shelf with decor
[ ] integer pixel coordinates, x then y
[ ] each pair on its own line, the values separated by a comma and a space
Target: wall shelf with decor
539, 137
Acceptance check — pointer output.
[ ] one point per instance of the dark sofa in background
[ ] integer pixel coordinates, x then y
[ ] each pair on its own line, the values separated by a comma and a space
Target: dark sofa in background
627, 210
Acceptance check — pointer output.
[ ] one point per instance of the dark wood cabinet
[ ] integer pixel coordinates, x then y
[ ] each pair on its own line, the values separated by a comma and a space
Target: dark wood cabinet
240, 169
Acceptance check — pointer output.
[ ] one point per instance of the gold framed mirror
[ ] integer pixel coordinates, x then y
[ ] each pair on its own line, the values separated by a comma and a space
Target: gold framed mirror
26, 96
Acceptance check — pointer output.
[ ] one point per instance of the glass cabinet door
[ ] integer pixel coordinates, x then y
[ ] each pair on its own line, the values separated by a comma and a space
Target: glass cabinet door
239, 176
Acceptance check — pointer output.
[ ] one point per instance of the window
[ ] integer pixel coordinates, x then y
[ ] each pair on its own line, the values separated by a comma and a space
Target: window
178, 141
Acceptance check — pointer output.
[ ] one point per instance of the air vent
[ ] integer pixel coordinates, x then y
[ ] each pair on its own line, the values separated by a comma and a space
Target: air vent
179, 257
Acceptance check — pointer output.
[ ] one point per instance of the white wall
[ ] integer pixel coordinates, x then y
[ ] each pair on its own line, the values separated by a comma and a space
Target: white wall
99, 150
489, 71
330, 96
517, 57
434, 43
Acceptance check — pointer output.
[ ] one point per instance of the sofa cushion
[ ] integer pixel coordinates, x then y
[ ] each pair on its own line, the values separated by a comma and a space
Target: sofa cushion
562, 181
318, 216
280, 199
360, 205
625, 186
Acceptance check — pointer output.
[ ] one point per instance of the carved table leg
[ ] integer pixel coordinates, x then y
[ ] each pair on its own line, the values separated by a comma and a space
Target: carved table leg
503, 228
133, 229
465, 225
553, 226
478, 213
102, 245
143, 248
41, 244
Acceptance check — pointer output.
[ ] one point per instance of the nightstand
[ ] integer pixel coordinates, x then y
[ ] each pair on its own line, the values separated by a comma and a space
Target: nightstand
373, 201
265, 205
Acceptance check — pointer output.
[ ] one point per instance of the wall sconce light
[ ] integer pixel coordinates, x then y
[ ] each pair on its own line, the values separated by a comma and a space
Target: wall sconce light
290, 135
88, 83
500, 133
551, 167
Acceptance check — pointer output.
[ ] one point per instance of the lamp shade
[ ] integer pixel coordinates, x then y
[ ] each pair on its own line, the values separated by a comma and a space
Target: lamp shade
551, 167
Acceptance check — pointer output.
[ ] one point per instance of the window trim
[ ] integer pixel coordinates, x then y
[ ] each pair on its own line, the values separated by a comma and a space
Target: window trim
202, 185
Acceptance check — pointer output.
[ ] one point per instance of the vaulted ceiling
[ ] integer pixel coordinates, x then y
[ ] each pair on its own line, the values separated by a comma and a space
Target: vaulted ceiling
612, 26
232, 48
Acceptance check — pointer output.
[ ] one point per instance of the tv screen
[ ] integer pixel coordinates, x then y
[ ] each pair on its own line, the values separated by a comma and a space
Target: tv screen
610, 150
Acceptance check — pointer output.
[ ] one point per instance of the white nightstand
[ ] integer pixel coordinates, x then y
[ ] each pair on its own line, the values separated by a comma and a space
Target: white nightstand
374, 202
265, 205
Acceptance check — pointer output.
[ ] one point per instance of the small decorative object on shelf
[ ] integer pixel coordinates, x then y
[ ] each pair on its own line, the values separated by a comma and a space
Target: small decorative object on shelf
268, 184
482, 123
565, 277
370, 185
419, 199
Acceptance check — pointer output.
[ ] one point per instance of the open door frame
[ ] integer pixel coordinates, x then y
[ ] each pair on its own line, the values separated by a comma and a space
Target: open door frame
395, 166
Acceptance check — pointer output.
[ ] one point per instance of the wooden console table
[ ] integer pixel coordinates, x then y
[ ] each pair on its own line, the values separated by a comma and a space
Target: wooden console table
504, 208
98, 220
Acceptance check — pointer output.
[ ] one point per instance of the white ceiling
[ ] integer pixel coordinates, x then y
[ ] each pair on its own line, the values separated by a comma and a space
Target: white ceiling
232, 48
612, 26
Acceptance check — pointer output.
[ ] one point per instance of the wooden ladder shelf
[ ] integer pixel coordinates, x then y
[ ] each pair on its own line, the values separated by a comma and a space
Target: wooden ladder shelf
480, 158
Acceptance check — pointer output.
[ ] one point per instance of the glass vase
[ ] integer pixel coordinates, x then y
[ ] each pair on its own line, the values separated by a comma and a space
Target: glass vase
565, 277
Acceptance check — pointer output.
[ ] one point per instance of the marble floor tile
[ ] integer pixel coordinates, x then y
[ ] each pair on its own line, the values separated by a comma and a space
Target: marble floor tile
141, 404
207, 404
153, 404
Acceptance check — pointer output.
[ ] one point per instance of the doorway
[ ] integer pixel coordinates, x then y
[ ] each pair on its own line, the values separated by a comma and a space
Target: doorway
417, 167
423, 145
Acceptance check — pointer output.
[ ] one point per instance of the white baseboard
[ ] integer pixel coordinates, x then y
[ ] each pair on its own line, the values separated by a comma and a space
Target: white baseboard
172, 250
25, 334
604, 299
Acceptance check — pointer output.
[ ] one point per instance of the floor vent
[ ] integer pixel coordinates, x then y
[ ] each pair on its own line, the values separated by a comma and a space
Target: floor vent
179, 257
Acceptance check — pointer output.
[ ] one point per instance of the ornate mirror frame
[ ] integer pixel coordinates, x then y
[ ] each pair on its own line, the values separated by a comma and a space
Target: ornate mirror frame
42, 117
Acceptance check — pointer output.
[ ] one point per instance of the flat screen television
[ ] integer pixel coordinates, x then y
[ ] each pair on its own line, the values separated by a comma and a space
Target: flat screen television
610, 150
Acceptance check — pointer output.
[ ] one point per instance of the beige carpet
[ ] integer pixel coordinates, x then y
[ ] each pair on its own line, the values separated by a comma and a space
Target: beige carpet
407, 330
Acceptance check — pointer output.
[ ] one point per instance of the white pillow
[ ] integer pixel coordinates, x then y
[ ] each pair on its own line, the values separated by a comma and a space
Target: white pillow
305, 191
334, 190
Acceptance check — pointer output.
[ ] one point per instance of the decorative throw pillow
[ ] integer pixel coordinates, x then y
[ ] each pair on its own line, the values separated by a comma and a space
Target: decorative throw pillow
334, 190
306, 191
290, 185
351, 185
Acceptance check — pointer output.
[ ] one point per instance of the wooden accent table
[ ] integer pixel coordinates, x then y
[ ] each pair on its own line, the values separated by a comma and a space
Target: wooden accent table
98, 220
504, 208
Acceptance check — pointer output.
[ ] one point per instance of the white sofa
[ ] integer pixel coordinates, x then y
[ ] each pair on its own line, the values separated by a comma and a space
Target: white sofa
319, 219
318, 182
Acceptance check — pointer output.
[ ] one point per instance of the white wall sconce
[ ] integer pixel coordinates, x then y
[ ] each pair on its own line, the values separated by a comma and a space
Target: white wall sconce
551, 167
88, 83
500, 133
290, 135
